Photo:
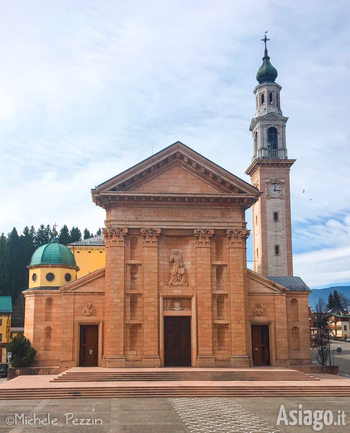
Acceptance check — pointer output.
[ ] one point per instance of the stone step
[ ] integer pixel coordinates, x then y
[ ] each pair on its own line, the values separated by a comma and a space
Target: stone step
169, 391
292, 375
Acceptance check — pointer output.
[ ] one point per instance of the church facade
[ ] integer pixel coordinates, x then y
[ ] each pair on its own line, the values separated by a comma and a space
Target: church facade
175, 289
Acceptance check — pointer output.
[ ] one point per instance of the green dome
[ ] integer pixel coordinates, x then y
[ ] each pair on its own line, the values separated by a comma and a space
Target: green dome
266, 73
53, 254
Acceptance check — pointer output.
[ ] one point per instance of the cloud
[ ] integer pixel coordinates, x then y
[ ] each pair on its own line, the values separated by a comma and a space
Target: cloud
88, 90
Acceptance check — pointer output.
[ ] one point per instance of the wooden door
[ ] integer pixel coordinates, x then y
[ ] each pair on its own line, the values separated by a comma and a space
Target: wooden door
177, 341
260, 345
88, 346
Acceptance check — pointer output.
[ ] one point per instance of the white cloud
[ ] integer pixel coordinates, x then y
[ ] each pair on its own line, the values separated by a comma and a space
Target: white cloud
88, 90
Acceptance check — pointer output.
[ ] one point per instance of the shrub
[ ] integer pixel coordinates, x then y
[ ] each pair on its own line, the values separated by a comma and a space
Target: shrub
22, 352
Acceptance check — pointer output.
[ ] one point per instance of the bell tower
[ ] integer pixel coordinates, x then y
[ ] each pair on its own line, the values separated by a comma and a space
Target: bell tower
269, 172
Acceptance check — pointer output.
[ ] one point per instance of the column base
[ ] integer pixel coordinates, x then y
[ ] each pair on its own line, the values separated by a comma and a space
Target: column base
241, 361
205, 361
150, 361
114, 361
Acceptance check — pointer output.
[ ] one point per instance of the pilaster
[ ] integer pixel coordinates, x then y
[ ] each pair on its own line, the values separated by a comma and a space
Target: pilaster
204, 298
238, 295
67, 334
114, 307
151, 356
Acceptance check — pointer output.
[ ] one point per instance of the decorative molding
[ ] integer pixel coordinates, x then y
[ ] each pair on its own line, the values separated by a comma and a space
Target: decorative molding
203, 237
89, 310
115, 234
178, 275
237, 236
149, 236
259, 311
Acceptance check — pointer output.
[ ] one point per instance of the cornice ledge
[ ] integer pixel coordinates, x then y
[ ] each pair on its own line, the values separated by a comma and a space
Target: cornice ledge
260, 162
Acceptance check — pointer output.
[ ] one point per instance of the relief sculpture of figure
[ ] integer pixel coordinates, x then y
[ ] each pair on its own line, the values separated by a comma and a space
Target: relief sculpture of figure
89, 310
178, 275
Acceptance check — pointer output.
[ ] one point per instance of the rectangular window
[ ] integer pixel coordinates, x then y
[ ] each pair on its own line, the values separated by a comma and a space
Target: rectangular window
0, 337
0, 322
345, 328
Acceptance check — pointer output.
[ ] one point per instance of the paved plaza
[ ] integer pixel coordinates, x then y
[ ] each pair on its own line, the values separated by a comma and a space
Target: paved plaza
164, 415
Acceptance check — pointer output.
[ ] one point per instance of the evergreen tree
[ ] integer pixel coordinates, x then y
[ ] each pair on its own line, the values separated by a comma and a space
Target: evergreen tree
337, 302
99, 232
330, 303
87, 234
3, 263
64, 237
75, 235
43, 235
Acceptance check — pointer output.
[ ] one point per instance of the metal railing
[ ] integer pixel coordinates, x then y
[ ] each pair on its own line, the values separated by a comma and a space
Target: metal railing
273, 153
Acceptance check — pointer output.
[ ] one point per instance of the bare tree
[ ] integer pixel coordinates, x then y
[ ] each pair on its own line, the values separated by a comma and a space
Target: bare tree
322, 343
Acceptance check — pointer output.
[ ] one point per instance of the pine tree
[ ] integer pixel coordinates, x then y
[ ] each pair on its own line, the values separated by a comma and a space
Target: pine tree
87, 234
99, 232
64, 237
3, 263
330, 303
75, 235
43, 235
337, 301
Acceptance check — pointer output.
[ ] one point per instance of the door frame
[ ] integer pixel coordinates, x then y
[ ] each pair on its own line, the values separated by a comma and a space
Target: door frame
99, 324
191, 313
271, 328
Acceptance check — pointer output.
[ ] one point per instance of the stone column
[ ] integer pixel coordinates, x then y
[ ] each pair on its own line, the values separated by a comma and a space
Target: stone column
114, 297
151, 356
205, 356
238, 295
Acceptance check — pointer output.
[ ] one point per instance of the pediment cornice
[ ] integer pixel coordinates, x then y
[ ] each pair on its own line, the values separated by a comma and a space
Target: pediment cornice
275, 287
76, 284
123, 187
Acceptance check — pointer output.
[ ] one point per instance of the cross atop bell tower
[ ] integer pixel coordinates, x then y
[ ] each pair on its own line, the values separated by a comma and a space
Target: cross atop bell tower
268, 125
269, 171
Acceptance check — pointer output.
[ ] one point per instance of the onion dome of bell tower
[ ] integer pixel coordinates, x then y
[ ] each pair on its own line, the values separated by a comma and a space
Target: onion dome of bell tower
266, 73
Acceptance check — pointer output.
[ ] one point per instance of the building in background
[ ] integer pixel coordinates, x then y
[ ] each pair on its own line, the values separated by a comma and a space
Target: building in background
5, 325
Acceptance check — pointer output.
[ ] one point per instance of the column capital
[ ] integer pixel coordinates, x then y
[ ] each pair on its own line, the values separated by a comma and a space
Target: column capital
237, 237
149, 237
115, 234
203, 237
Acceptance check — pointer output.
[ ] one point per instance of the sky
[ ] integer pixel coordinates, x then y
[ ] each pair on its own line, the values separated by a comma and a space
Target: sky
88, 89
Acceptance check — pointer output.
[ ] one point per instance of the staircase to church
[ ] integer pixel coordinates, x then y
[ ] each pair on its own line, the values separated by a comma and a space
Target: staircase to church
161, 383
173, 375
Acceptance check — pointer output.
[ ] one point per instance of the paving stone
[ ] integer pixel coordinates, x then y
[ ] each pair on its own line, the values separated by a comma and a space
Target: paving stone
208, 415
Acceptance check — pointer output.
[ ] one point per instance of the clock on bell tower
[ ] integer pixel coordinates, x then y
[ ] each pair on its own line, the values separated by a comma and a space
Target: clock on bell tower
269, 172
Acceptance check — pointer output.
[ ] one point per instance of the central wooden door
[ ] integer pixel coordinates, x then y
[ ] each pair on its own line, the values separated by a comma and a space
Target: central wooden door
260, 345
88, 346
177, 341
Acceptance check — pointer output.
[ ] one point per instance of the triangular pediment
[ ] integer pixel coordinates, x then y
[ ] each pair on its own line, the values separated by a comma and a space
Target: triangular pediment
176, 169
259, 284
178, 179
90, 283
